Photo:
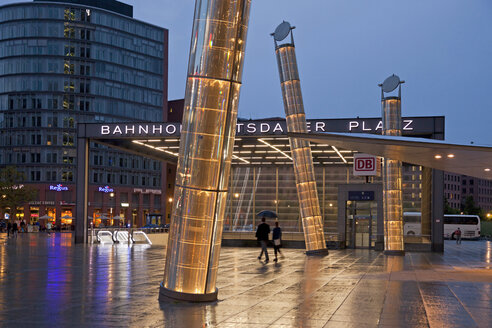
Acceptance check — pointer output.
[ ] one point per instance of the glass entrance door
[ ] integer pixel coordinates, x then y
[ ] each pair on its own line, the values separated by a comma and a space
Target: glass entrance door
362, 231
360, 224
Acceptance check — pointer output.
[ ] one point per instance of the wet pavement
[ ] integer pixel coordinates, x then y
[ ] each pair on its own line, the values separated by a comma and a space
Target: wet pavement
46, 281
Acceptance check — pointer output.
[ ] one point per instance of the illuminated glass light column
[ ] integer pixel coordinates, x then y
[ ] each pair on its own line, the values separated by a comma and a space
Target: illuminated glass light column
392, 176
207, 140
312, 221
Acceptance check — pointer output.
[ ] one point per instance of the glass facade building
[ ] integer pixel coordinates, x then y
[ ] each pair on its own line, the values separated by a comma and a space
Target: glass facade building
68, 63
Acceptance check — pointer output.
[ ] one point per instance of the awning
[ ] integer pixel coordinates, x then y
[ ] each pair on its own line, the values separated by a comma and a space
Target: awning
456, 158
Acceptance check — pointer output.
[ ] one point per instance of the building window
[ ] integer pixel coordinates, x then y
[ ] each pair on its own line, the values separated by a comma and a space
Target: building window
35, 139
85, 15
68, 160
67, 139
68, 68
68, 31
51, 176
67, 176
51, 157
35, 175
35, 158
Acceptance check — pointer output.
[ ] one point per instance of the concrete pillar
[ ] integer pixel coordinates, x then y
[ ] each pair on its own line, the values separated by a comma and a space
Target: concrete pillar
426, 203
81, 224
207, 141
310, 212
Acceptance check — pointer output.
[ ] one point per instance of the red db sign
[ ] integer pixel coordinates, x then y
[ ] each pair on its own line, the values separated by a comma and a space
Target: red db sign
366, 164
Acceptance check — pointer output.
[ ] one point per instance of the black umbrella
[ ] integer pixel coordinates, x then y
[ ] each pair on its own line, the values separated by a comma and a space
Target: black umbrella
267, 214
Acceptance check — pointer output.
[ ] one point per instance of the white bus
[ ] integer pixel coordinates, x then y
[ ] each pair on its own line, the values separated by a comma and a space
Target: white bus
468, 224
412, 224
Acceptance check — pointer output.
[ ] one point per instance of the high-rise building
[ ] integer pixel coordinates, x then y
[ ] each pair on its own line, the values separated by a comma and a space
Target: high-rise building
73, 61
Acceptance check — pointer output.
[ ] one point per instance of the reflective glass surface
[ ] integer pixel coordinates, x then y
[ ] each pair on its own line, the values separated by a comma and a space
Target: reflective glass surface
392, 180
310, 211
206, 145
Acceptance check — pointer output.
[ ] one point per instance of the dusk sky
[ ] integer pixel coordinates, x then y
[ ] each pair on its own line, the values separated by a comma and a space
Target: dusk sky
441, 48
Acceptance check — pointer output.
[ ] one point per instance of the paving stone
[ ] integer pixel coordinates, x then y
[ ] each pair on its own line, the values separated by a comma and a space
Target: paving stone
47, 281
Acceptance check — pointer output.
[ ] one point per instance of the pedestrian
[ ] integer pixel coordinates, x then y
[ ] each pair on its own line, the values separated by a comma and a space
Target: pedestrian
48, 228
22, 226
457, 234
9, 229
14, 230
262, 233
277, 240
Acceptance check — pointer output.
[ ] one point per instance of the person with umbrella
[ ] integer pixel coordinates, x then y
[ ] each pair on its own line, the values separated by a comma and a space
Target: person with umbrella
262, 233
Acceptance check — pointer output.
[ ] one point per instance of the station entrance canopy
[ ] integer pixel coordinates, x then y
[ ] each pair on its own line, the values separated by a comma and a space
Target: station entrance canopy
258, 142
471, 160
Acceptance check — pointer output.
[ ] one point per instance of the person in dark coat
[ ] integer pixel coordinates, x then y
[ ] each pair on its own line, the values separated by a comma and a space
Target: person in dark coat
262, 233
14, 229
277, 237
9, 229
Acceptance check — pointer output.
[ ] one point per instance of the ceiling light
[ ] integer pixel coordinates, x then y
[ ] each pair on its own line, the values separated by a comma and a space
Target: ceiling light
450, 155
487, 170
437, 156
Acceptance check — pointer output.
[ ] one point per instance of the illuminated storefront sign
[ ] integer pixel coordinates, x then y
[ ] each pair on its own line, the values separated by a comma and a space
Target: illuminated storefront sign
366, 165
253, 127
105, 189
147, 191
59, 187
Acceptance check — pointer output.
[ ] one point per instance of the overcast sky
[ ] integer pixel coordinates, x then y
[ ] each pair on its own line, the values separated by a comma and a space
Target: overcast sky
441, 48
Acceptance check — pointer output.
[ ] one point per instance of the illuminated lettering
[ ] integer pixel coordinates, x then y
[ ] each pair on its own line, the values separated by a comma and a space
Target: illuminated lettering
379, 126
117, 130
129, 129
105, 129
238, 127
59, 187
364, 126
251, 128
264, 127
407, 126
278, 127
157, 129
170, 129
308, 126
353, 125
320, 126
143, 129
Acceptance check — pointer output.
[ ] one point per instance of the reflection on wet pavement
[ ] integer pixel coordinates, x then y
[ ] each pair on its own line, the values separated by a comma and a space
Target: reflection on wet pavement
46, 281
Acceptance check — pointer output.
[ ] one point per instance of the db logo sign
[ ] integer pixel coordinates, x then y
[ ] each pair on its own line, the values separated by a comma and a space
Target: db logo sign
366, 164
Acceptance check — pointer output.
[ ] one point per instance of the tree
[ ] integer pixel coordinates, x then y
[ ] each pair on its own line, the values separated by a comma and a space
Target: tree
13, 194
448, 209
470, 208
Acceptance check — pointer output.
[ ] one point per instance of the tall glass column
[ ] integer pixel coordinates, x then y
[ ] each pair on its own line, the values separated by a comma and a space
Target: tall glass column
392, 171
312, 221
207, 140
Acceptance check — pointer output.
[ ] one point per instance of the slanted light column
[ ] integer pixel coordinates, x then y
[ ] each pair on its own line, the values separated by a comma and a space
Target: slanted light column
207, 140
392, 176
312, 221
